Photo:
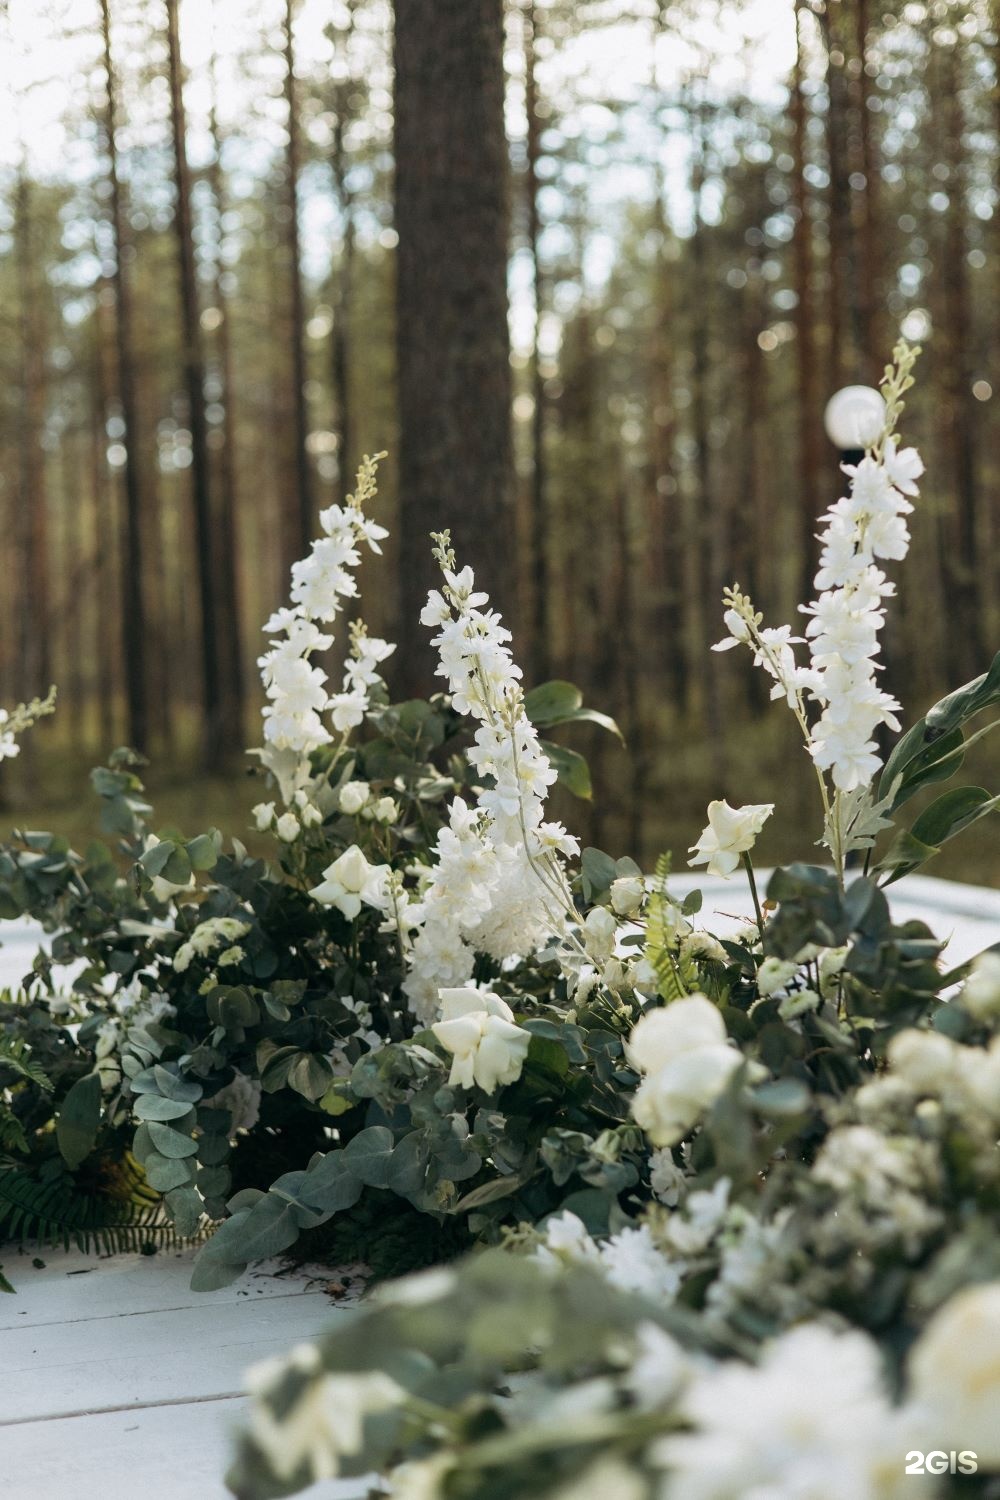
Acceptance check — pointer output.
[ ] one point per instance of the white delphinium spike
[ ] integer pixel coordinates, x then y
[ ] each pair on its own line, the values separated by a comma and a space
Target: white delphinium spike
499, 886
298, 697
865, 527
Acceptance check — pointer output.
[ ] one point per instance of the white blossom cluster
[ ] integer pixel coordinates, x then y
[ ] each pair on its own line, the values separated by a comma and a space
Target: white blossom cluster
299, 699
863, 530
498, 884
864, 527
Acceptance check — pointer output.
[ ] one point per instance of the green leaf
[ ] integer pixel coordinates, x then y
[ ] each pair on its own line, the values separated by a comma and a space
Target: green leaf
946, 816
932, 740
552, 702
165, 1173
490, 1192
598, 871
170, 1142
571, 769
202, 852
79, 1120
155, 1107
369, 1154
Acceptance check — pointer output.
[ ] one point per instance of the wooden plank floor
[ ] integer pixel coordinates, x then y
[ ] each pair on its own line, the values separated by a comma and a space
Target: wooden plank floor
120, 1383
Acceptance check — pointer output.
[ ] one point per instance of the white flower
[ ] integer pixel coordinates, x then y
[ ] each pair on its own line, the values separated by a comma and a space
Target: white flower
599, 930
955, 1373
567, 1242
774, 974
350, 883
666, 1178
627, 894
325, 1424
263, 816
659, 1370
214, 933
632, 1262
288, 828
684, 1025
981, 994
310, 815
811, 1422
731, 832
353, 796
739, 631
386, 810
241, 1096
683, 1050
478, 1029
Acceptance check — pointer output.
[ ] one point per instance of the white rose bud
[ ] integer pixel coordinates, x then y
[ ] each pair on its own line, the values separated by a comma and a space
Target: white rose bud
627, 895
263, 816
599, 932
353, 796
683, 1050
311, 816
287, 828
386, 810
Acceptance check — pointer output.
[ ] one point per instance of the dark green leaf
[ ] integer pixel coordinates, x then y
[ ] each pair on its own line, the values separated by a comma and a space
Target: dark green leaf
79, 1120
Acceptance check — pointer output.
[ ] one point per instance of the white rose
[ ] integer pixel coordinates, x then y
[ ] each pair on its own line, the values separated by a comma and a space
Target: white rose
263, 816
627, 894
669, 1103
682, 1048
353, 796
350, 883
287, 828
311, 816
478, 1029
955, 1373
731, 832
661, 1034
386, 810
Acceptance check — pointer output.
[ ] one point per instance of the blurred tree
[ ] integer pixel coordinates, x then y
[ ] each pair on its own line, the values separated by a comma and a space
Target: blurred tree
451, 204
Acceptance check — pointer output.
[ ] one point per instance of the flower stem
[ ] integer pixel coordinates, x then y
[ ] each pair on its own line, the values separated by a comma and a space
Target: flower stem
748, 866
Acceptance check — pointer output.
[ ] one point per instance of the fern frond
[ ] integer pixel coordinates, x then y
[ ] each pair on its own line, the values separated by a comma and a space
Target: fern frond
660, 939
15, 1054
50, 1207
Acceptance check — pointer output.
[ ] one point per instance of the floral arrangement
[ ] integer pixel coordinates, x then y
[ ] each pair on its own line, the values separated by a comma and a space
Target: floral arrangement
731, 1202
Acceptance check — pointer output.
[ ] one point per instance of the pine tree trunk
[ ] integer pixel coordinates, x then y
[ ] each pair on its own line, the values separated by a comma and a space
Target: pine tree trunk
809, 403
227, 549
300, 521
134, 624
456, 462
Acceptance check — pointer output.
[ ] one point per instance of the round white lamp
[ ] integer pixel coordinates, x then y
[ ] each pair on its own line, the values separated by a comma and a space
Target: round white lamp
854, 417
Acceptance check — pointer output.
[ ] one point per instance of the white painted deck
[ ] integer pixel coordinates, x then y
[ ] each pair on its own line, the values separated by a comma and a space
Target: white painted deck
119, 1383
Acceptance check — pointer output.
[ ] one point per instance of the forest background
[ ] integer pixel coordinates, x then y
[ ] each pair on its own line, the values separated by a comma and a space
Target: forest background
587, 269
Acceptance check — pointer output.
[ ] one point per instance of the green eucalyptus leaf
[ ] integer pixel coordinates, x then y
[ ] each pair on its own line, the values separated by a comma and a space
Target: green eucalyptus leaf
155, 1107
79, 1120
166, 1173
369, 1155
170, 1142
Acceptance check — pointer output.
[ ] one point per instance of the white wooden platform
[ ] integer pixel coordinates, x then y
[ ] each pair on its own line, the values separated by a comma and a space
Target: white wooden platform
119, 1383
